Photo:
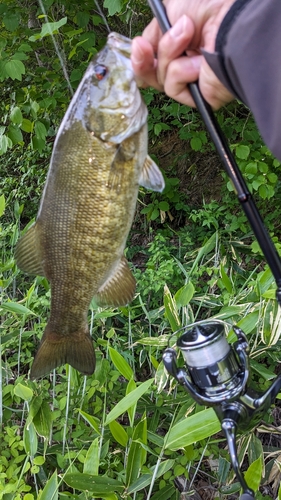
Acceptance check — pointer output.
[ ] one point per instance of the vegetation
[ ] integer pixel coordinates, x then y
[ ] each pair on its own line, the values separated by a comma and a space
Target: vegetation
129, 431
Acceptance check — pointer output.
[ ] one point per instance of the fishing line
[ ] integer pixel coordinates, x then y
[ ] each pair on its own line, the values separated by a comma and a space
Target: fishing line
57, 49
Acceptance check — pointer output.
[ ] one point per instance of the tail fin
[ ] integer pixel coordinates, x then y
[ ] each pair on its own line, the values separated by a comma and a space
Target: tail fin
55, 350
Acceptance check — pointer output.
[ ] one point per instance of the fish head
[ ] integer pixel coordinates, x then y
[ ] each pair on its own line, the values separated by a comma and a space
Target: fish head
108, 100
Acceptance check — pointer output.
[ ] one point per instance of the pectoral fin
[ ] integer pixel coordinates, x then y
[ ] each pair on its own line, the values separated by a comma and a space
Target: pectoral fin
27, 254
119, 288
151, 177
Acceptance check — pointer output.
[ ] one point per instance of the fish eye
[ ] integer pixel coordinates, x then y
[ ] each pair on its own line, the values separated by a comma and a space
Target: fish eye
100, 71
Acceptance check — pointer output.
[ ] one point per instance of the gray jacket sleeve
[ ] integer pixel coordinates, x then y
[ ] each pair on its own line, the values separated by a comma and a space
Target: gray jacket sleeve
247, 60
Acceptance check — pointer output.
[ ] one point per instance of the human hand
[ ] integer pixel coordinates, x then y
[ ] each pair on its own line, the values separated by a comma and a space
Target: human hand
195, 24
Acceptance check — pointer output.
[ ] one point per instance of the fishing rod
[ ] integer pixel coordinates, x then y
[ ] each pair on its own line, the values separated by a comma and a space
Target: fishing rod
222, 380
229, 163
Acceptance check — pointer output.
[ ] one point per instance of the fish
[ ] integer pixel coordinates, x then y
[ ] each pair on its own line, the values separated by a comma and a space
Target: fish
77, 242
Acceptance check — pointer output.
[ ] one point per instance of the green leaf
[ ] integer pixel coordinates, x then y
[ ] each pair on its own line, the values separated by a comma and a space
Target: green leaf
265, 280
255, 449
262, 370
92, 421
25, 47
164, 206
196, 143
128, 401
192, 429
171, 312
158, 128
229, 311
242, 151
49, 29
166, 493
82, 18
30, 440
43, 420
113, 6
249, 322
121, 364
225, 279
91, 464
17, 308
11, 20
184, 295
15, 69
224, 466
4, 144
132, 410
273, 178
263, 167
23, 392
136, 455
33, 408
40, 130
205, 250
119, 433
2, 204
97, 485
50, 491
145, 479
14, 133
251, 168
27, 125
155, 214
263, 192
38, 144
161, 341
16, 115
253, 474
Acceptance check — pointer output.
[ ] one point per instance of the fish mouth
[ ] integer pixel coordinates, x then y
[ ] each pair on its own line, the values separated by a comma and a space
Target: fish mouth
120, 42
124, 46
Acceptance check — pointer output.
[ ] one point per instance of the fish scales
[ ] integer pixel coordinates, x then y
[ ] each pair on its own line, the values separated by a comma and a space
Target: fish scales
87, 208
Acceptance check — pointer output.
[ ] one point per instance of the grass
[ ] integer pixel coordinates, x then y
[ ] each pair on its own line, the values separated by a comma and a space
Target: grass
127, 431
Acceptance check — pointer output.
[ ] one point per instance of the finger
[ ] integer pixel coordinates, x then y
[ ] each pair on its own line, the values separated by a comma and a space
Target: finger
143, 62
152, 33
185, 70
173, 44
180, 73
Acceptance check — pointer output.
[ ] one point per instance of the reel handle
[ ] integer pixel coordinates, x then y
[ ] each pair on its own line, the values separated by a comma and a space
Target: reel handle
229, 428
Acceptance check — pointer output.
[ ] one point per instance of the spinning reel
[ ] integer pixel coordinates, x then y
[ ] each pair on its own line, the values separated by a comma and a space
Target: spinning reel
217, 374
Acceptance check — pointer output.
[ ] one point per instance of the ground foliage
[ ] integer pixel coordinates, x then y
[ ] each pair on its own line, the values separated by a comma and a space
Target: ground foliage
128, 431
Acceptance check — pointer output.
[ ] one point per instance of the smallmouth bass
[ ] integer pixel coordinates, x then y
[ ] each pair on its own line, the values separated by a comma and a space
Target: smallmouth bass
87, 207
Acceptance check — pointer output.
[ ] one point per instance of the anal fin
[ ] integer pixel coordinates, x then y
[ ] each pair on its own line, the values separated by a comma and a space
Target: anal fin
119, 288
27, 253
